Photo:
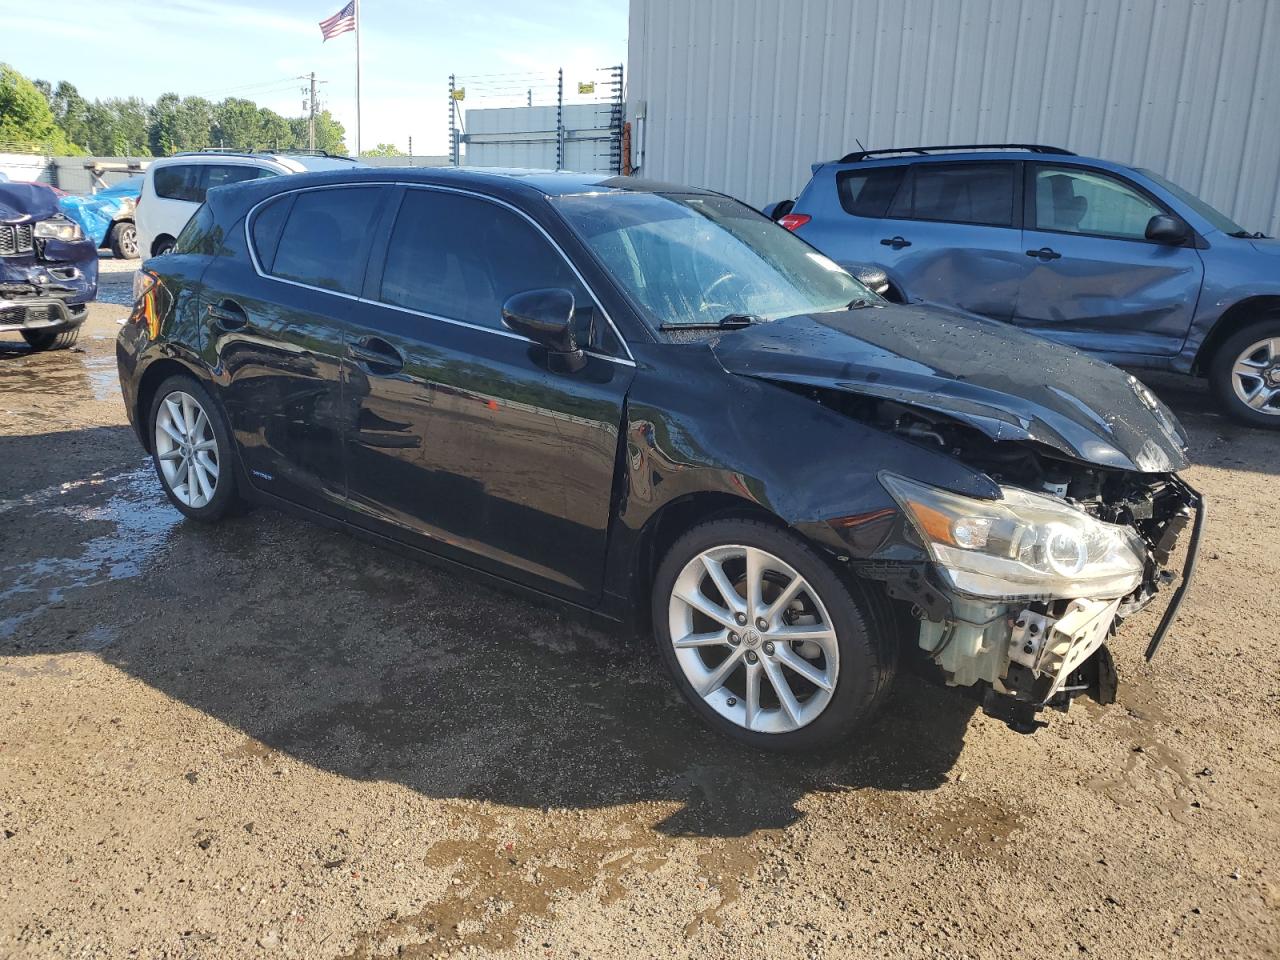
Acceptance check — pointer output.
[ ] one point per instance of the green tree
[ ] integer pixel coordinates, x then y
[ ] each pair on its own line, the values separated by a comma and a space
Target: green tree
329, 133
383, 150
70, 112
25, 116
118, 127
276, 131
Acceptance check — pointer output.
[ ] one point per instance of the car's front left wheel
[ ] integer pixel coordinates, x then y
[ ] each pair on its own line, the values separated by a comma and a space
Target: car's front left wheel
191, 449
1245, 374
764, 639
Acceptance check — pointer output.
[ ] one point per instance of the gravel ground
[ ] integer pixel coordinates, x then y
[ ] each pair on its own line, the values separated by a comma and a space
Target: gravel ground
268, 739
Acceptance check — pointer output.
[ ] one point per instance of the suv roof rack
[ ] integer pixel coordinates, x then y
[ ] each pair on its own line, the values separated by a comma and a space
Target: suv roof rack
233, 152
925, 151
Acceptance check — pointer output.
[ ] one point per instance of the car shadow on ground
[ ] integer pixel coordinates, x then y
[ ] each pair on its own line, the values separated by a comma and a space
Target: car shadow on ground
355, 660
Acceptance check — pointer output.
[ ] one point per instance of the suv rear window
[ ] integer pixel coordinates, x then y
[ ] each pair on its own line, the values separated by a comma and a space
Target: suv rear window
193, 181
980, 193
868, 193
325, 237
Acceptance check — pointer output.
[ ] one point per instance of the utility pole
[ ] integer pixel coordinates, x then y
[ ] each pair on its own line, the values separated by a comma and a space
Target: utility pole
311, 105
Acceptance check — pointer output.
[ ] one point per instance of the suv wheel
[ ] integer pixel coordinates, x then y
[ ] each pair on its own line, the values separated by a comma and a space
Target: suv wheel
124, 240
1245, 374
764, 639
51, 339
191, 450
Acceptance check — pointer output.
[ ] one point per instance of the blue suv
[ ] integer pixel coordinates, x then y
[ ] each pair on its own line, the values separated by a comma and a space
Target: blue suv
1114, 260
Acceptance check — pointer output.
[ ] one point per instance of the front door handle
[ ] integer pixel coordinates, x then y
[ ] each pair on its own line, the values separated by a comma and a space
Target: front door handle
896, 242
228, 314
377, 356
1045, 253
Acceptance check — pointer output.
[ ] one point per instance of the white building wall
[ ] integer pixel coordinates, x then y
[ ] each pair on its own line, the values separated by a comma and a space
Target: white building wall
743, 95
525, 137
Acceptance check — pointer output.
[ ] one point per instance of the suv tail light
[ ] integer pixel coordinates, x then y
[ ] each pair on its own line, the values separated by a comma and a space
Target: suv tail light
794, 221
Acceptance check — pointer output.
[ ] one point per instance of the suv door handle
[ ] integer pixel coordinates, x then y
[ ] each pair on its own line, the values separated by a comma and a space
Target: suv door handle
228, 315
1045, 253
377, 356
896, 242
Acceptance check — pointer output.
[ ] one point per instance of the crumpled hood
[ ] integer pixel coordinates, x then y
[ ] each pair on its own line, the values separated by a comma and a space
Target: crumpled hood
1000, 380
23, 202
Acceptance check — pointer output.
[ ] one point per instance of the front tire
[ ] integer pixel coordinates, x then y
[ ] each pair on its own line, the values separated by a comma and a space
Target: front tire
191, 450
1245, 375
764, 639
55, 339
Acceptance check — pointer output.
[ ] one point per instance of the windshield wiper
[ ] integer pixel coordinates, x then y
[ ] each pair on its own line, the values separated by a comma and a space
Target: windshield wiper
1246, 235
860, 303
734, 321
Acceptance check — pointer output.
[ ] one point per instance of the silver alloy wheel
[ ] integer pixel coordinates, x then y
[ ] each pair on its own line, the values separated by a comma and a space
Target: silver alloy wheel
187, 449
1255, 376
753, 639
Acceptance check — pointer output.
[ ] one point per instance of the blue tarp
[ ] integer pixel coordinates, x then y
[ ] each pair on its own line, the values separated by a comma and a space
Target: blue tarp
95, 214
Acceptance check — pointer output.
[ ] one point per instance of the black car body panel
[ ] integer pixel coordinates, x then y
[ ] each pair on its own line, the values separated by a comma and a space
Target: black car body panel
470, 444
1009, 384
44, 283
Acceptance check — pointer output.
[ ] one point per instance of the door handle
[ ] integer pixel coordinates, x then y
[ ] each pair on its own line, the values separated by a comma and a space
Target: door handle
378, 356
896, 242
228, 314
1045, 253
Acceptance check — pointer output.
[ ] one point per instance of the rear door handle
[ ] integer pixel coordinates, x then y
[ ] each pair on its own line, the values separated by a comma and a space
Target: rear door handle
896, 242
1045, 253
376, 355
228, 314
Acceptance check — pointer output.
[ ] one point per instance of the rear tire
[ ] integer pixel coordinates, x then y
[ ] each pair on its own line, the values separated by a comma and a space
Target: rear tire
192, 451
1245, 375
124, 240
51, 339
834, 676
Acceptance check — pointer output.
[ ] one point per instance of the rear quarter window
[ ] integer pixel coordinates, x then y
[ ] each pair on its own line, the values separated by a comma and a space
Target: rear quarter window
868, 193
976, 193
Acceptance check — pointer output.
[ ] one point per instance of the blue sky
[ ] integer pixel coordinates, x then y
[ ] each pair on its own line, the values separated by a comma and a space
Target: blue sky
218, 48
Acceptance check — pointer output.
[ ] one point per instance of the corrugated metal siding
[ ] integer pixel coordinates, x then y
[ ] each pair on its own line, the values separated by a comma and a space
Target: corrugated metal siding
742, 95
526, 137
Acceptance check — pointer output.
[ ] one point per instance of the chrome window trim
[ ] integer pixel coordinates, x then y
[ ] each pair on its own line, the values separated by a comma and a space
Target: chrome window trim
628, 360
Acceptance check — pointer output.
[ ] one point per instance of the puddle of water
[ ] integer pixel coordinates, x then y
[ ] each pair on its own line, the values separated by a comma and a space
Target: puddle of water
143, 521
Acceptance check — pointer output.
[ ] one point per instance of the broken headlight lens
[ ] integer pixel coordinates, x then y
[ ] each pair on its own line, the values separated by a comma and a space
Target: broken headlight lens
58, 228
1025, 545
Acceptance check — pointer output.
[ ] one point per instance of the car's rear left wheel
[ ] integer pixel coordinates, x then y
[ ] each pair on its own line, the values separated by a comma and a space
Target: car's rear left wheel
191, 449
763, 638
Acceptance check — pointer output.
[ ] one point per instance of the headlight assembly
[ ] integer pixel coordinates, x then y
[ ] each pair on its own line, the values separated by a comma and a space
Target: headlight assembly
58, 228
1025, 545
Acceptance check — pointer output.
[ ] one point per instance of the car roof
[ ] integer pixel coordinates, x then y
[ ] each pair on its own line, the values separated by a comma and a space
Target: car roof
519, 182
292, 162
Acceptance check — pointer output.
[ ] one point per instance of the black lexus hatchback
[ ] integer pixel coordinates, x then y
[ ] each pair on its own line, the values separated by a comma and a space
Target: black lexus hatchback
651, 403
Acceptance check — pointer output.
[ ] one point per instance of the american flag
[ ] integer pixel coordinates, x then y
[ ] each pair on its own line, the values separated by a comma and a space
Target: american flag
344, 21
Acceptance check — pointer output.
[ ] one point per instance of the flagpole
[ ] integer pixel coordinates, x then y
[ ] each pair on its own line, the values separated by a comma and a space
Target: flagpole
357, 3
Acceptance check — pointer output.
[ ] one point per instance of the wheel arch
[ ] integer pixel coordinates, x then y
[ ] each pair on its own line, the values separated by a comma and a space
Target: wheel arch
156, 373
160, 239
1234, 319
669, 523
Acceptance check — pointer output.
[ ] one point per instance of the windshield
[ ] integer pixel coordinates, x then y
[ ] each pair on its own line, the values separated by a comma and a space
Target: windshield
694, 260
1216, 217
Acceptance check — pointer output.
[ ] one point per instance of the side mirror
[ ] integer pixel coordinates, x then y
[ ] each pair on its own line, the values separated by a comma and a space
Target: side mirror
1165, 228
545, 316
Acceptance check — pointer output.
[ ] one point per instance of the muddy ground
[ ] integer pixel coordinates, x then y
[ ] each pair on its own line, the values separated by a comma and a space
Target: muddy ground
268, 739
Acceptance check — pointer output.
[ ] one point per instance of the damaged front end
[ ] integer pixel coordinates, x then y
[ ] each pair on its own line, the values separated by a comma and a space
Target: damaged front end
48, 270
1023, 592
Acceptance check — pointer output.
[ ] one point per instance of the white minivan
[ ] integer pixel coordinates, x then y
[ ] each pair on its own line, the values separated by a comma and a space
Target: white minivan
174, 187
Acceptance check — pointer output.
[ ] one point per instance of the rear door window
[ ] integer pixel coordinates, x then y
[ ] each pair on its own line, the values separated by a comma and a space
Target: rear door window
178, 181
325, 240
462, 257
868, 193
976, 193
